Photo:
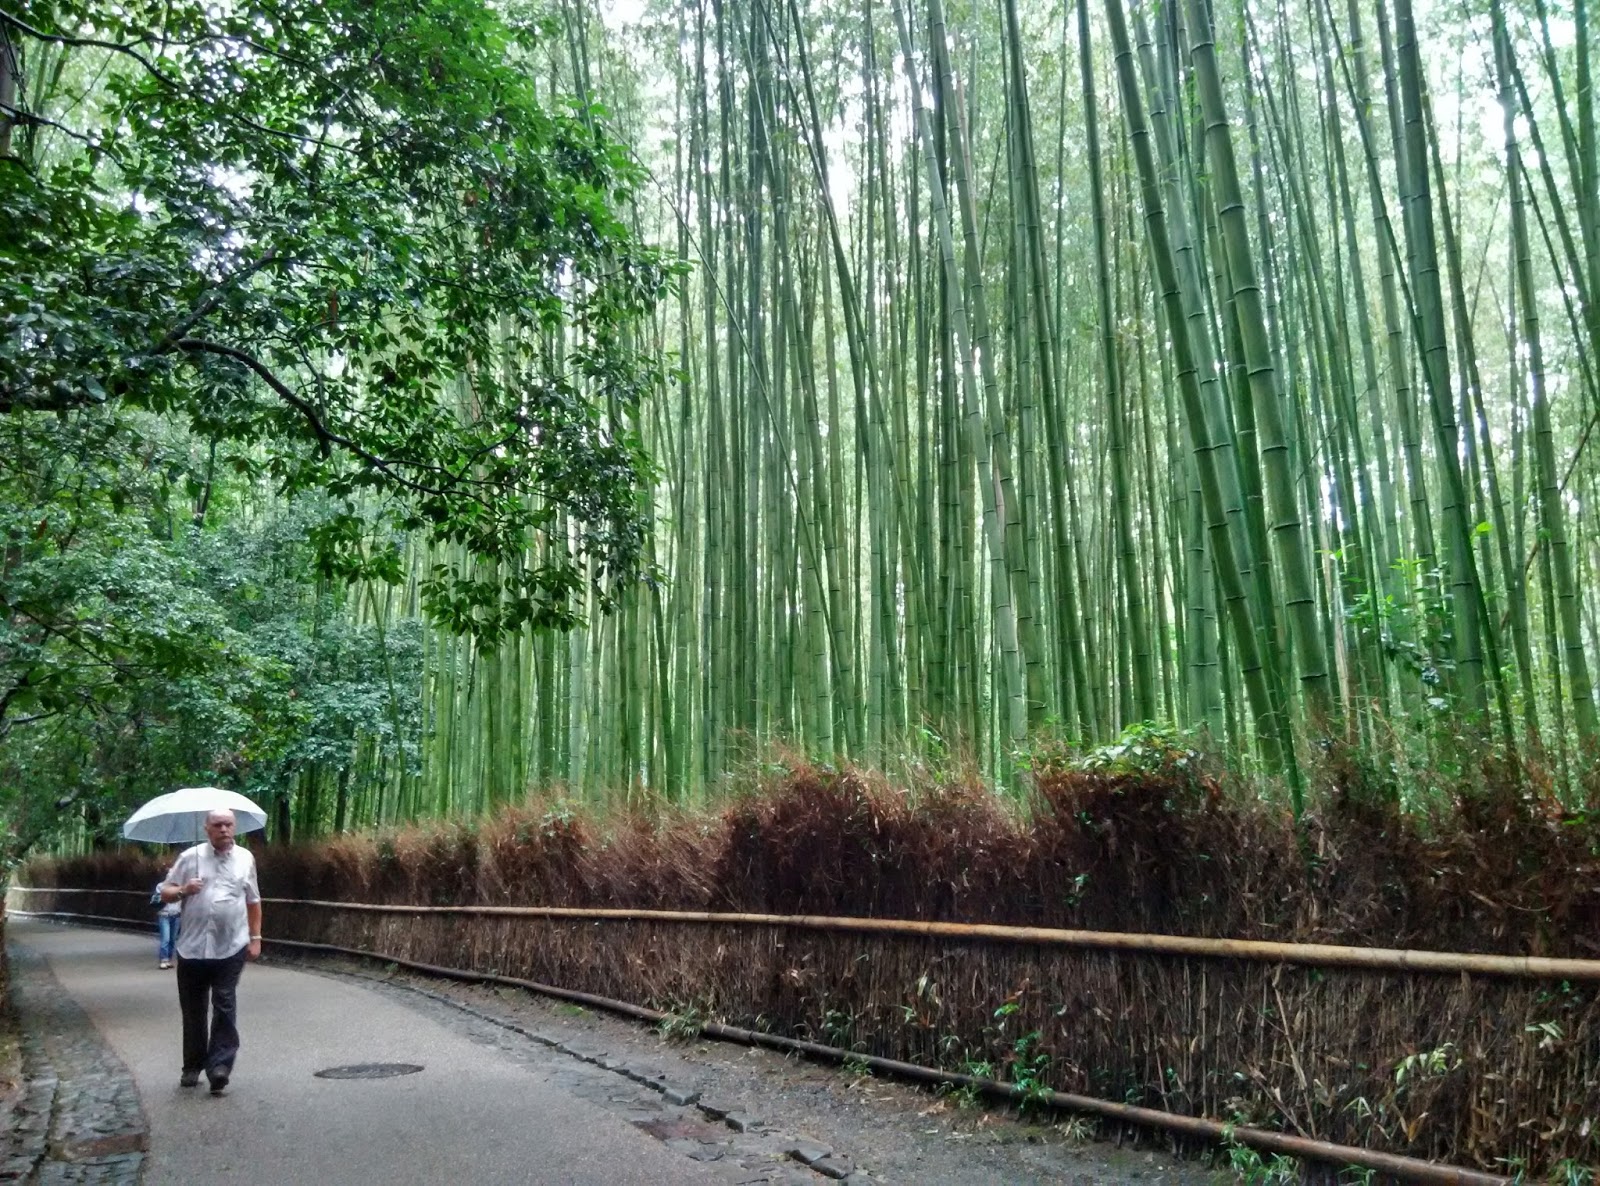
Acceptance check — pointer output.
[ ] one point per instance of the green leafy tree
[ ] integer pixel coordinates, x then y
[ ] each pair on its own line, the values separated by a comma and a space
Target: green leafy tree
94, 599
143, 648
354, 235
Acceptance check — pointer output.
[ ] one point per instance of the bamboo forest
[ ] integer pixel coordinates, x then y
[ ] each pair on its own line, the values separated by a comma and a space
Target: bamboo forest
407, 405
1039, 551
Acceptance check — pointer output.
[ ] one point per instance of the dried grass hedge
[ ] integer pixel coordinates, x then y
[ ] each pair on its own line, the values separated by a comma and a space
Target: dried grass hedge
1478, 1070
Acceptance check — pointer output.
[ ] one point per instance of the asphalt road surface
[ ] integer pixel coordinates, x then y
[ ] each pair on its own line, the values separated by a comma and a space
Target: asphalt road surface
472, 1115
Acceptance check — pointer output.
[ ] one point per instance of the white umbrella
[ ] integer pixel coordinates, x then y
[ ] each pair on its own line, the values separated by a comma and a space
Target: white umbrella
179, 817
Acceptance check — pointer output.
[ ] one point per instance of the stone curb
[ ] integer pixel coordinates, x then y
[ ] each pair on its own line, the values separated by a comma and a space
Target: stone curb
80, 1120
29, 1138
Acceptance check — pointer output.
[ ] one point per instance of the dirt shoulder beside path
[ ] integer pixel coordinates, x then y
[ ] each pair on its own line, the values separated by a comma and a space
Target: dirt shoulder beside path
754, 1107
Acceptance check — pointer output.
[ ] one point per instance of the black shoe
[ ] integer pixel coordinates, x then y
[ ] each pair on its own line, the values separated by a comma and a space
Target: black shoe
218, 1084
189, 1079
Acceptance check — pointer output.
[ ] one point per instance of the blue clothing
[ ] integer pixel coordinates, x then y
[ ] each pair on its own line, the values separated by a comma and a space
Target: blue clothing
169, 924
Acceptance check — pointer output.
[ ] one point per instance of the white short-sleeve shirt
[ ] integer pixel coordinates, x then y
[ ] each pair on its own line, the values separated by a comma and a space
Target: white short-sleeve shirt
215, 925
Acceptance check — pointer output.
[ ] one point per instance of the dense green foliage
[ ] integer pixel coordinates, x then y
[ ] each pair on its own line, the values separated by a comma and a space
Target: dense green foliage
147, 648
1045, 373
285, 291
344, 232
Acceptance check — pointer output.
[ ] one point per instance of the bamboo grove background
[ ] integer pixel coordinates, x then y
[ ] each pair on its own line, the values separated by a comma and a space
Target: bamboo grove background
1045, 370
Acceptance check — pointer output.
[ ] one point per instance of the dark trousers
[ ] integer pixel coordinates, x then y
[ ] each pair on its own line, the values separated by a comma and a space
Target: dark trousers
212, 984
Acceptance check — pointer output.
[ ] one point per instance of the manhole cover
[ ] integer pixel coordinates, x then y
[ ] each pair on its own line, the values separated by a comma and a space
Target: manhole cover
370, 1070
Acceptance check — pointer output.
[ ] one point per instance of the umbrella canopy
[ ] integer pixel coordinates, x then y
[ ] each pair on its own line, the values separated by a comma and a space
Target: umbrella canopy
179, 817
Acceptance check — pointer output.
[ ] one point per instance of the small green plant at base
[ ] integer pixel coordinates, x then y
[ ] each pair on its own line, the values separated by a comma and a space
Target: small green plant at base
1077, 1130
572, 1010
1242, 1160
557, 819
1360, 1107
1144, 747
1028, 1067
682, 1025
1357, 1175
965, 1097
837, 1025
1516, 1168
1248, 1166
1076, 896
1426, 1064
1282, 1170
1549, 1034
968, 1097
1570, 1172
978, 1068
857, 1067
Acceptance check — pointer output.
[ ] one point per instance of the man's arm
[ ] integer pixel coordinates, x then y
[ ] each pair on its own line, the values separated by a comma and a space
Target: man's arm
252, 911
173, 888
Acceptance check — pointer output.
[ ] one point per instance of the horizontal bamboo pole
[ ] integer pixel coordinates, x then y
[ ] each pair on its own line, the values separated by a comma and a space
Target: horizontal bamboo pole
1325, 955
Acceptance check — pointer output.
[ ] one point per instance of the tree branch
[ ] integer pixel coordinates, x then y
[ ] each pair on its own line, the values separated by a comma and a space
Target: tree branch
22, 26
22, 119
326, 437
212, 299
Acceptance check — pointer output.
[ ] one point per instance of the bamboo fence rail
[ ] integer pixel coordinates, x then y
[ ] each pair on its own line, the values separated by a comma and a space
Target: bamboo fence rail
1306, 954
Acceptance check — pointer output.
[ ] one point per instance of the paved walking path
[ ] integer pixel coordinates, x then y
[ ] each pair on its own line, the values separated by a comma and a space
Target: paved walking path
472, 1114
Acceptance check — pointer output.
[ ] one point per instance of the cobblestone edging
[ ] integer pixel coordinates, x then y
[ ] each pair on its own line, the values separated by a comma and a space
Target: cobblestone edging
79, 1119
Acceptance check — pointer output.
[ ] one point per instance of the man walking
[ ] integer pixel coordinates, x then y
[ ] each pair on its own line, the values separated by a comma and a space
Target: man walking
216, 882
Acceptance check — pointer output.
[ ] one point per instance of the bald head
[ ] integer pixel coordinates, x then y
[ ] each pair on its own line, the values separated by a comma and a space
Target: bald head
219, 828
